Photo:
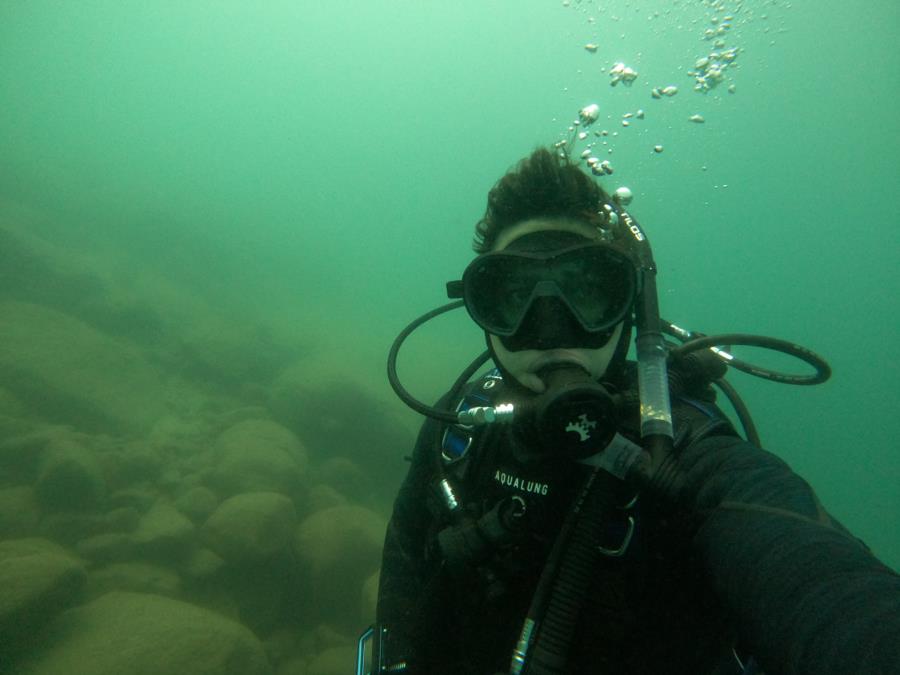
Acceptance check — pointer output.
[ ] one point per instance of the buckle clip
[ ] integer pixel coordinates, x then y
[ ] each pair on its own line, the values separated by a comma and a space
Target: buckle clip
623, 547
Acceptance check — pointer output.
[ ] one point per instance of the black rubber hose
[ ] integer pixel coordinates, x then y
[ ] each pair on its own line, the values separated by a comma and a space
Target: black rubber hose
823, 370
566, 591
405, 396
464, 376
742, 411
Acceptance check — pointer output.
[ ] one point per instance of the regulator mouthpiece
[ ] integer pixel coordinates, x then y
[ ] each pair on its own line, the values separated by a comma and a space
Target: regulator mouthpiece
575, 417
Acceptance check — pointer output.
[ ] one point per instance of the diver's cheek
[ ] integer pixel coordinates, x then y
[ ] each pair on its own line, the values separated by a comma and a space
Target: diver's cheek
599, 359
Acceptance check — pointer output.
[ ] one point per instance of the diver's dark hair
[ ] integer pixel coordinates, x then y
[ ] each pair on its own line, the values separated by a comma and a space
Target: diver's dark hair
543, 185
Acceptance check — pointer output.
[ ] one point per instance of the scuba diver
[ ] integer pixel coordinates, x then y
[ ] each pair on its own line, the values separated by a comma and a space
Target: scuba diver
573, 511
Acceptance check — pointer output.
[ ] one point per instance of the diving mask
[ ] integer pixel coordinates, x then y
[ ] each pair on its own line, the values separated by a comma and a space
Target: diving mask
594, 281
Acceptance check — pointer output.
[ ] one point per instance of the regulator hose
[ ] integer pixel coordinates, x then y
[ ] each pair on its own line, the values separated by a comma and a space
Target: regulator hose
549, 628
695, 341
399, 389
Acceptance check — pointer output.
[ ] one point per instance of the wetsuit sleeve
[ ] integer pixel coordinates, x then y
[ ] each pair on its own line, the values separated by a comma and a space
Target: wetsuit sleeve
808, 596
403, 566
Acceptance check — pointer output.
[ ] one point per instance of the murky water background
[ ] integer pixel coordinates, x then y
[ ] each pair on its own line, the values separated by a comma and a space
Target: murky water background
216, 214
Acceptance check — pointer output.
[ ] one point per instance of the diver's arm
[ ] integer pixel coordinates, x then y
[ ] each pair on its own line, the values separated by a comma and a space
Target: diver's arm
808, 597
402, 567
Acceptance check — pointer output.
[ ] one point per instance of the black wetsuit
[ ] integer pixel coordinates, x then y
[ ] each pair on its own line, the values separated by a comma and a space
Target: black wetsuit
744, 555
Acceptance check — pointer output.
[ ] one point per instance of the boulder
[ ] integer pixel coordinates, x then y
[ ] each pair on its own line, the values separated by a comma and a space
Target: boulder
322, 496
179, 436
136, 461
369, 598
107, 547
39, 579
283, 643
259, 456
267, 591
122, 519
294, 666
137, 576
251, 527
19, 513
346, 477
21, 454
333, 661
338, 416
140, 496
263, 432
202, 564
340, 548
163, 531
74, 374
142, 634
70, 478
197, 503
69, 528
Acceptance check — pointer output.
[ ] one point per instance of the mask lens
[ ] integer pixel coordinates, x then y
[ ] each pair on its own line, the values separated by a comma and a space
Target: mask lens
499, 290
594, 282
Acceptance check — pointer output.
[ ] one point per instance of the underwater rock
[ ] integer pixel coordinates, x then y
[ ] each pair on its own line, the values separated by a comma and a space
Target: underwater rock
216, 599
237, 415
202, 564
342, 534
163, 530
39, 579
136, 462
326, 637
136, 576
283, 645
369, 598
68, 372
259, 456
139, 497
267, 591
293, 666
197, 503
320, 639
332, 661
12, 426
338, 417
21, 454
146, 635
122, 519
19, 512
69, 528
263, 432
70, 478
107, 547
170, 480
230, 354
340, 548
251, 527
324, 496
178, 435
345, 476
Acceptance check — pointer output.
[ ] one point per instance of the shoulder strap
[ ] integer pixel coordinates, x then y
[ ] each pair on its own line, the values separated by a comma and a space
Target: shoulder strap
695, 420
457, 438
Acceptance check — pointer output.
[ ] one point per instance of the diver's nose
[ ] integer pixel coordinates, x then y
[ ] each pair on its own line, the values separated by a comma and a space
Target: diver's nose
550, 323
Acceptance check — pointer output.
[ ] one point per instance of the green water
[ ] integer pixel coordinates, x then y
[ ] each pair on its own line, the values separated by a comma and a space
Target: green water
316, 168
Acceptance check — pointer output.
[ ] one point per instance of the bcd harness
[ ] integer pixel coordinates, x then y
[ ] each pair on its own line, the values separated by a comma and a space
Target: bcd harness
490, 535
